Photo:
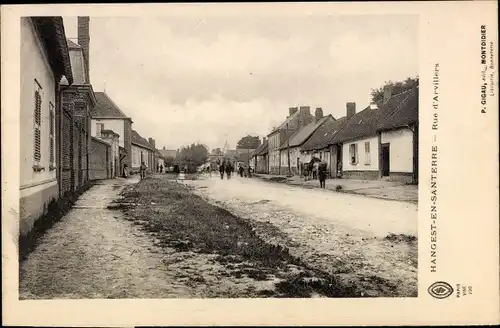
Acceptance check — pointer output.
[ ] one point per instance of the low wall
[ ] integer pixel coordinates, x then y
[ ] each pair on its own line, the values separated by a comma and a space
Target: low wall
360, 175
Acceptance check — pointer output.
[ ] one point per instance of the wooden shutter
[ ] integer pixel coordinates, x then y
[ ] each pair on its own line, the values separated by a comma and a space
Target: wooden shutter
38, 122
51, 131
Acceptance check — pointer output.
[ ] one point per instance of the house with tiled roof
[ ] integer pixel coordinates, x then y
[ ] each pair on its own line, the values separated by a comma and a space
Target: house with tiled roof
363, 153
142, 151
107, 115
260, 158
44, 64
290, 150
297, 118
318, 145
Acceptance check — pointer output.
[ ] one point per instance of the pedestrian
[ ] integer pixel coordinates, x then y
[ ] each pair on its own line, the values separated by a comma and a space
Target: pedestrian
229, 169
125, 170
161, 168
322, 174
221, 170
241, 169
143, 170
249, 171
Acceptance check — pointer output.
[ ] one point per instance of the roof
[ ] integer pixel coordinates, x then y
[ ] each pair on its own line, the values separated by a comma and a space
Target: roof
366, 122
405, 114
53, 37
106, 107
321, 137
77, 63
140, 141
262, 149
301, 135
73, 45
283, 125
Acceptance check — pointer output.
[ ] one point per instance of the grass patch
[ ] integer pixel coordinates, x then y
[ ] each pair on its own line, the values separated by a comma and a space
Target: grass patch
186, 222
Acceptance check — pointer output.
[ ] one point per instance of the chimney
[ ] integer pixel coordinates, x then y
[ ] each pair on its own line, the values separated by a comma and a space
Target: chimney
264, 140
163, 147
152, 142
84, 42
387, 93
318, 114
351, 109
292, 110
305, 116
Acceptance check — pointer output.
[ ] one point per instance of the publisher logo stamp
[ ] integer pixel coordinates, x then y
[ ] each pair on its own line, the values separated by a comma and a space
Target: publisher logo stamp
440, 289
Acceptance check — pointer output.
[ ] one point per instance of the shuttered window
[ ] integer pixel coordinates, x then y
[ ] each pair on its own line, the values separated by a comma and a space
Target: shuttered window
51, 133
37, 155
353, 153
368, 160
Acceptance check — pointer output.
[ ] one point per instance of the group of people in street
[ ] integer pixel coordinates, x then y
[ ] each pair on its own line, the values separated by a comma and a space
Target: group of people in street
316, 169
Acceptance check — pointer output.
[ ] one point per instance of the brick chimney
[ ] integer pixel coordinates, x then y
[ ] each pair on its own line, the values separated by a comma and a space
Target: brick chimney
292, 110
84, 42
387, 93
152, 142
318, 114
350, 109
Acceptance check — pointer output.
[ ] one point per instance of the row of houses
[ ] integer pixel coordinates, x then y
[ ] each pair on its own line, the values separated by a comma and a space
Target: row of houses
380, 141
69, 133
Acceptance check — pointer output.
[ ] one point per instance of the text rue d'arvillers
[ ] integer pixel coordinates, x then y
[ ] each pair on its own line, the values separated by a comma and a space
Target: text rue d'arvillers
434, 170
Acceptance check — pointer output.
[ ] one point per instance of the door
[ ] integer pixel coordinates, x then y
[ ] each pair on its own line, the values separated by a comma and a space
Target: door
298, 167
385, 160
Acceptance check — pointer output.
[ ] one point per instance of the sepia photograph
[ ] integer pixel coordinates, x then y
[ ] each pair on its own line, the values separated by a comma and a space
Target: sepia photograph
215, 155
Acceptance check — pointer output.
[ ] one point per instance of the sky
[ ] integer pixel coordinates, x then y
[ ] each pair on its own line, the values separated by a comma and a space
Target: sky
212, 78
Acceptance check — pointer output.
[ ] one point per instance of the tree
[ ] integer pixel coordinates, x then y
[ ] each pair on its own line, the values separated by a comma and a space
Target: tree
248, 142
193, 156
169, 160
397, 87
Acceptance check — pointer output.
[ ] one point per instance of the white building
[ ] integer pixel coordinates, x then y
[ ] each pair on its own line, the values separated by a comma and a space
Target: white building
44, 60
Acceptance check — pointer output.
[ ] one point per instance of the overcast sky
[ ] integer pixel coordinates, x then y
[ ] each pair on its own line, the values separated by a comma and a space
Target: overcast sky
212, 78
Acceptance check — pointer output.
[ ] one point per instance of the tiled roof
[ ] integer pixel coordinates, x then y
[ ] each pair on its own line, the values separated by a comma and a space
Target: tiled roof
262, 149
106, 107
53, 37
140, 141
366, 122
405, 114
321, 137
301, 135
287, 120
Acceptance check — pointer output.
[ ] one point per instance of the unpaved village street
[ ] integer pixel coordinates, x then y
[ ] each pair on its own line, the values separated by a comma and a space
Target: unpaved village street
331, 231
231, 238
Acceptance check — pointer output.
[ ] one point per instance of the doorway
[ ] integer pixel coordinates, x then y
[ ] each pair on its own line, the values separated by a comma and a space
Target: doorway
385, 160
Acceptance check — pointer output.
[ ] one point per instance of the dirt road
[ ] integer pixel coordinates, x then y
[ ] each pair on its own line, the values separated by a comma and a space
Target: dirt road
363, 240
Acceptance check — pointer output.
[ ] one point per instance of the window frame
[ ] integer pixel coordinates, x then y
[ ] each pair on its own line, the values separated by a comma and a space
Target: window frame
368, 159
353, 154
98, 132
37, 126
52, 133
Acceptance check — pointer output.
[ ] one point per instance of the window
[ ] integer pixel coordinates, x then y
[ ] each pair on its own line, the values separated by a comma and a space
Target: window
37, 124
51, 135
367, 153
353, 153
99, 128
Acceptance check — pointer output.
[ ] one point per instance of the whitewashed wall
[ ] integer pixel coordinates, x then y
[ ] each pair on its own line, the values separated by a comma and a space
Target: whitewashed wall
362, 164
116, 125
400, 149
35, 65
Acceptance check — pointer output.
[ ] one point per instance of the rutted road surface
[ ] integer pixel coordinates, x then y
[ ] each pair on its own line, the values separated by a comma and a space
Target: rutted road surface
361, 239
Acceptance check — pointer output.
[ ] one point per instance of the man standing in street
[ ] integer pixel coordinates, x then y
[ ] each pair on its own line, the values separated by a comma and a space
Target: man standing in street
322, 174
143, 170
